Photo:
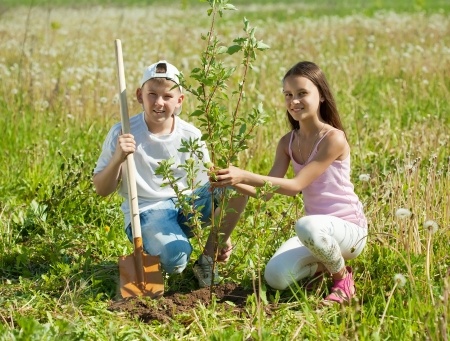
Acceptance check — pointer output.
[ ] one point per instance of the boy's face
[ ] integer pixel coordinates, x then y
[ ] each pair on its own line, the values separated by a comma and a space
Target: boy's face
159, 100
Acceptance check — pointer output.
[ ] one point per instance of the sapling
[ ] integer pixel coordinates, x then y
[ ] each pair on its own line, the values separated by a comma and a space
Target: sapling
225, 131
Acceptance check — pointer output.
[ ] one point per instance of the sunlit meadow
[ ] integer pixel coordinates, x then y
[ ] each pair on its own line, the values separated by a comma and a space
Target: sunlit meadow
59, 241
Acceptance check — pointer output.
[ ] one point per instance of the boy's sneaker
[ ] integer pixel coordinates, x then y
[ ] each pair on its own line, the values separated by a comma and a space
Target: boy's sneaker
203, 271
343, 290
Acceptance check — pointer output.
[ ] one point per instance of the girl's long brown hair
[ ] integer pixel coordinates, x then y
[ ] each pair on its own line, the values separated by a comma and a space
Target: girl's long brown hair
328, 108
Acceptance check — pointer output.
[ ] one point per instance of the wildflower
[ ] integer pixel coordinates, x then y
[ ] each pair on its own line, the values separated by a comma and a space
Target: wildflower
107, 228
410, 168
44, 104
431, 226
403, 213
400, 280
364, 177
116, 99
103, 100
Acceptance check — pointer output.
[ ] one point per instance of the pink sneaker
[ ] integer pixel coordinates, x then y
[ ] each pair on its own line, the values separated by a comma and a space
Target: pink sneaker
343, 290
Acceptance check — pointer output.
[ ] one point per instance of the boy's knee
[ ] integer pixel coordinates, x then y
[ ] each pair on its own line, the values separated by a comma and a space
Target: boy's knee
175, 259
173, 268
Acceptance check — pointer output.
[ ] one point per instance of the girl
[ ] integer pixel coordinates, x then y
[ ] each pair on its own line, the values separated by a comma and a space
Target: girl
334, 227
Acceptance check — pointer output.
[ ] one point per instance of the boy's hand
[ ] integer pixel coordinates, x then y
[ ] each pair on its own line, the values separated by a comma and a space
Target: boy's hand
225, 252
125, 145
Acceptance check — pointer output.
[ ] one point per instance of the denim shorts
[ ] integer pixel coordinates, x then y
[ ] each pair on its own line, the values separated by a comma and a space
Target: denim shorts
165, 232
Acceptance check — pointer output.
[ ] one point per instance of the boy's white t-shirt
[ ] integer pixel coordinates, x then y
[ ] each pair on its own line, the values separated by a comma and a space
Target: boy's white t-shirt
150, 150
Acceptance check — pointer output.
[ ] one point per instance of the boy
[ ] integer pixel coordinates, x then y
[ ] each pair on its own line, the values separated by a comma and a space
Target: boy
156, 134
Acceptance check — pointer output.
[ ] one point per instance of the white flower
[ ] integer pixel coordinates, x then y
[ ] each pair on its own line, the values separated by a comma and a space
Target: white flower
431, 226
410, 167
400, 280
364, 177
403, 213
44, 104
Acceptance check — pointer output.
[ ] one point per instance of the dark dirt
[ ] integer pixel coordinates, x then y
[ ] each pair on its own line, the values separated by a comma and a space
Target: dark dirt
166, 308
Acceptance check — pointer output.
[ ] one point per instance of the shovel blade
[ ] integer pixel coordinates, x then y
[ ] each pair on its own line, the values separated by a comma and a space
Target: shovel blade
131, 286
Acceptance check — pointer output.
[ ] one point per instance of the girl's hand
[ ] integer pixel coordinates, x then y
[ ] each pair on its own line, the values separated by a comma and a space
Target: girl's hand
227, 177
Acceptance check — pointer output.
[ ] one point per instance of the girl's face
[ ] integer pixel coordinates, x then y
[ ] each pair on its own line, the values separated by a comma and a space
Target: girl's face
301, 96
159, 100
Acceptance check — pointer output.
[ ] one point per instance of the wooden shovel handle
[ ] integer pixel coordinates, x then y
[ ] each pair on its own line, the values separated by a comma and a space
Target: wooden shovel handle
131, 167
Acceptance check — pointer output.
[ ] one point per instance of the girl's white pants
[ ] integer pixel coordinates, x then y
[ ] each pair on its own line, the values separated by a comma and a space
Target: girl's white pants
320, 239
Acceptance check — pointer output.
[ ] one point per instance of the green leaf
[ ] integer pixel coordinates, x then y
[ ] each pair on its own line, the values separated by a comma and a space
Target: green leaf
261, 46
230, 7
222, 50
197, 112
242, 129
233, 49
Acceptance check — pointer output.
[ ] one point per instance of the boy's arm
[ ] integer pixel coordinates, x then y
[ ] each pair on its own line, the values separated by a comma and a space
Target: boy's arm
108, 178
106, 181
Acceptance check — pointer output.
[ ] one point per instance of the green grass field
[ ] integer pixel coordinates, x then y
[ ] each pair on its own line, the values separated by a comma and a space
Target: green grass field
389, 66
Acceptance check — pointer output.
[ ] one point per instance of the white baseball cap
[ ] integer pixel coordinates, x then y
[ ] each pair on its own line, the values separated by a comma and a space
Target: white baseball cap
171, 72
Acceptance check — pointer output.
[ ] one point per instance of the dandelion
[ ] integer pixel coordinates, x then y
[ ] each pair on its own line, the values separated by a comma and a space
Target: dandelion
103, 100
403, 213
431, 226
411, 168
106, 228
364, 177
44, 104
400, 280
116, 99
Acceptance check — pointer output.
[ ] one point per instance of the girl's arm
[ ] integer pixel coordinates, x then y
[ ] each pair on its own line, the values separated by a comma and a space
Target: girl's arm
334, 146
279, 168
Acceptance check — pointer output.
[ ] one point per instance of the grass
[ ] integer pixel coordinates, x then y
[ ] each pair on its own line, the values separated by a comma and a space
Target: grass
59, 242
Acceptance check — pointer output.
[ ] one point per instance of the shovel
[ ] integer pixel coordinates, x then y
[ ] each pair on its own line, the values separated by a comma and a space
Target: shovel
140, 273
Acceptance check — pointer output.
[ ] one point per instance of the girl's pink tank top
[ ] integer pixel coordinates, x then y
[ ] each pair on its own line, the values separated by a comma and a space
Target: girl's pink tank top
332, 193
